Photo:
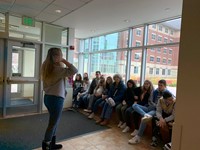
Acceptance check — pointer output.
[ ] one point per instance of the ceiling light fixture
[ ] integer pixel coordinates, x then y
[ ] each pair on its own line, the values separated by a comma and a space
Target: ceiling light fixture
58, 11
126, 20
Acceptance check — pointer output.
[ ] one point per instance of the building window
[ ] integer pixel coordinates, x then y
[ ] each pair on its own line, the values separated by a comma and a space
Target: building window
170, 51
172, 32
151, 59
171, 40
163, 71
160, 28
153, 26
150, 70
157, 71
138, 32
166, 30
165, 51
158, 60
164, 61
138, 43
137, 56
153, 36
135, 69
152, 49
165, 40
169, 72
159, 50
159, 38
169, 61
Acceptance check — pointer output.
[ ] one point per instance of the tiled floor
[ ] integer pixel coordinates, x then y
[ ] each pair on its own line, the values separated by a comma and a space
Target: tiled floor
110, 139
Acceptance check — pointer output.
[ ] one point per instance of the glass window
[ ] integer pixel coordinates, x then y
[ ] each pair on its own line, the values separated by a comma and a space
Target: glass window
158, 50
159, 38
137, 40
172, 26
165, 40
158, 59
109, 63
86, 45
170, 51
151, 59
153, 36
153, 26
137, 56
17, 30
138, 32
136, 66
165, 50
150, 70
157, 71
2, 22
162, 69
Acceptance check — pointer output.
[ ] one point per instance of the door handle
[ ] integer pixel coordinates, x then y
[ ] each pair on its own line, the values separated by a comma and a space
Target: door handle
10, 80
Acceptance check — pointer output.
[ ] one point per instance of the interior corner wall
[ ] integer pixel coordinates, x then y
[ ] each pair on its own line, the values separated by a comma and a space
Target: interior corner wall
186, 131
70, 58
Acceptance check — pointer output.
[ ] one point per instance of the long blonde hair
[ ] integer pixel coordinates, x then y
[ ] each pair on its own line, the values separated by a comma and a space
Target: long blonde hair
48, 64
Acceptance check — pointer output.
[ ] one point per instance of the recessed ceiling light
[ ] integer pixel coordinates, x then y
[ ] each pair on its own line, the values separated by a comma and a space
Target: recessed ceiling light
126, 20
58, 11
167, 9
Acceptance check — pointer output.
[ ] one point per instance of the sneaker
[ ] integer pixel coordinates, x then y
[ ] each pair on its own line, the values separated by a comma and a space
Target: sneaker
134, 133
126, 129
87, 110
120, 123
136, 139
146, 118
123, 125
154, 142
99, 121
91, 116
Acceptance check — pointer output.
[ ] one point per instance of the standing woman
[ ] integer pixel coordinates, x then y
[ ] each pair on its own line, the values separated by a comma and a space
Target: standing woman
53, 75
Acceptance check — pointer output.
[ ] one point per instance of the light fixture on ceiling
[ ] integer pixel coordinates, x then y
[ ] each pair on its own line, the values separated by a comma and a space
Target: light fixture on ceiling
167, 9
93, 31
58, 11
127, 20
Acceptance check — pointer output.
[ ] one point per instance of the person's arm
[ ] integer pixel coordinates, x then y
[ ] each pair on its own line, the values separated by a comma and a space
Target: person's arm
171, 117
69, 71
158, 110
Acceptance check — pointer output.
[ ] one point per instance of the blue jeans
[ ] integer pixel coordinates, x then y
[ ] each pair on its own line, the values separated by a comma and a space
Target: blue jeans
54, 105
142, 110
100, 102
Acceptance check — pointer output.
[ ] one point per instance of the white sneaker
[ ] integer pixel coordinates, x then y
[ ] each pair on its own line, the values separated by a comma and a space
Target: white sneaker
136, 139
123, 125
87, 110
91, 116
146, 118
134, 133
126, 129
120, 123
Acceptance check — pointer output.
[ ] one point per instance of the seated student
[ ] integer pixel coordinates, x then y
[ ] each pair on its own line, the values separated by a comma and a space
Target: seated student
165, 113
115, 96
127, 102
77, 85
147, 112
83, 100
98, 91
84, 91
101, 101
142, 95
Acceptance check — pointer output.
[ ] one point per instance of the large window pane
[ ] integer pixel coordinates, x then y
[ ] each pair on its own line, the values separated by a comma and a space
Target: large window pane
165, 32
2, 22
17, 30
163, 66
136, 59
109, 63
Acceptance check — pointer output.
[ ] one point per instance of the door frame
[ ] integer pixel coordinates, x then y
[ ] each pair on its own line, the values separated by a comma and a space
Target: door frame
9, 79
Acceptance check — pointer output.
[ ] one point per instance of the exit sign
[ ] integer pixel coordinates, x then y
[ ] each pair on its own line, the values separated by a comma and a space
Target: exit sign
28, 21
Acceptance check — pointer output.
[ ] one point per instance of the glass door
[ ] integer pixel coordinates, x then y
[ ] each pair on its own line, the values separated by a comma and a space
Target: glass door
22, 78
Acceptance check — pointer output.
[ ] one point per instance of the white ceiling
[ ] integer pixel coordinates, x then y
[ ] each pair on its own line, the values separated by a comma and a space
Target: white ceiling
94, 17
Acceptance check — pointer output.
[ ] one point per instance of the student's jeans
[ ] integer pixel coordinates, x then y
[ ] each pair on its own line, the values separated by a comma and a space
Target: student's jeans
142, 110
54, 105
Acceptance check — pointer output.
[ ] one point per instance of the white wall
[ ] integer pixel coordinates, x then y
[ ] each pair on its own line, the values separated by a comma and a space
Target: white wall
186, 133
